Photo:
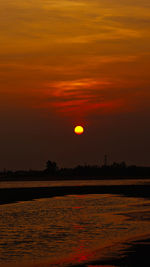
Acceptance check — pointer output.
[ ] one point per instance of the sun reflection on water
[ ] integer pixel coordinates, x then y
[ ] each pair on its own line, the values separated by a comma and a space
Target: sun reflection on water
64, 230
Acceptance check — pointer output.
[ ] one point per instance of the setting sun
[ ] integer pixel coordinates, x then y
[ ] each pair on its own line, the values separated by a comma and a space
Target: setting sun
79, 130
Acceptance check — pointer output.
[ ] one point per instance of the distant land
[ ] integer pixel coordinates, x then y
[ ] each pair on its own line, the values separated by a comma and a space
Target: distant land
53, 172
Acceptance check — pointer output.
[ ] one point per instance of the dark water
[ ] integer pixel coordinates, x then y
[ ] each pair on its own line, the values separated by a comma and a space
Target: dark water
61, 231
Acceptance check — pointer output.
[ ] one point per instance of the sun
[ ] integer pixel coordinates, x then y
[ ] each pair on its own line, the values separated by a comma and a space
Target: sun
79, 130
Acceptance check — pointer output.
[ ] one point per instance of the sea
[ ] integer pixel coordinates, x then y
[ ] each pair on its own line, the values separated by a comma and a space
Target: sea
70, 230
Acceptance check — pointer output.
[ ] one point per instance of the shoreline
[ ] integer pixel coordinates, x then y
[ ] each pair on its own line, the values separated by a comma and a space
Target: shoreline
136, 254
11, 195
73, 178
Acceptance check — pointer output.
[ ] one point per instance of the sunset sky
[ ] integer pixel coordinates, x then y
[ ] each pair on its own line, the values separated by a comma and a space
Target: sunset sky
70, 62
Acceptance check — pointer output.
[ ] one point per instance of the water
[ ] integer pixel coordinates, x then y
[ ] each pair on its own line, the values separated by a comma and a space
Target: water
61, 231
21, 184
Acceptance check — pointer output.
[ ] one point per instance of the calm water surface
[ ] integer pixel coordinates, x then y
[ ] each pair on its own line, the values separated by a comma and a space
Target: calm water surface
61, 231
20, 184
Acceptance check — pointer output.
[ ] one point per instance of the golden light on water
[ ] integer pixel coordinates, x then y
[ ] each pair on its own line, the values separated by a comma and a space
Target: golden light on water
79, 130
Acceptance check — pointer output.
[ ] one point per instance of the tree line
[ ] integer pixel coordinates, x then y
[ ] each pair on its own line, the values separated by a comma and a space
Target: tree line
52, 172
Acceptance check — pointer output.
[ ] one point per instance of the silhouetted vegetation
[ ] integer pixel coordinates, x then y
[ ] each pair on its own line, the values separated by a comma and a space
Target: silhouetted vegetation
51, 167
53, 172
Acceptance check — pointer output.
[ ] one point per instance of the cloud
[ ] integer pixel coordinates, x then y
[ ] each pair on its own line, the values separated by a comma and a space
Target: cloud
83, 96
74, 53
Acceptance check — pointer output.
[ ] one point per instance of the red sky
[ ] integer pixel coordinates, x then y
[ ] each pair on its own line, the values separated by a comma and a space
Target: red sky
64, 63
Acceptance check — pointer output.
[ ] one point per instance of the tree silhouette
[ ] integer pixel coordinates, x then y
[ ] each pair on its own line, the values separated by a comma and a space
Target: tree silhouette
51, 167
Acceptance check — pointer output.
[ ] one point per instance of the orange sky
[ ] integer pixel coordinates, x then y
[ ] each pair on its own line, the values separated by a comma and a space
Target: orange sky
65, 62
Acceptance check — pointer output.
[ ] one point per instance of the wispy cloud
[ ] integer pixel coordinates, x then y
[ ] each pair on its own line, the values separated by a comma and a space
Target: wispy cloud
49, 47
82, 96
